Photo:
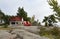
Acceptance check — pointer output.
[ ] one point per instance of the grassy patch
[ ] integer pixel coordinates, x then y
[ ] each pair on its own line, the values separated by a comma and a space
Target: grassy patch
51, 33
2, 28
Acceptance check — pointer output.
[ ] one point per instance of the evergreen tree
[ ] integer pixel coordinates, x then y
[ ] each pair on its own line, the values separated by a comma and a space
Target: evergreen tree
4, 17
1, 14
45, 20
22, 13
49, 20
56, 8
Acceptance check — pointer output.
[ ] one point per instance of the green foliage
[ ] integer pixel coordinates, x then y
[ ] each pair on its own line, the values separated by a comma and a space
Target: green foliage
55, 7
45, 20
6, 19
49, 20
36, 23
22, 13
46, 24
5, 26
44, 32
1, 14
53, 32
28, 19
53, 19
39, 24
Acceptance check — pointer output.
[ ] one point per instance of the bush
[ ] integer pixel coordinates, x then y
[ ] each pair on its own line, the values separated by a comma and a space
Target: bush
5, 26
55, 32
43, 31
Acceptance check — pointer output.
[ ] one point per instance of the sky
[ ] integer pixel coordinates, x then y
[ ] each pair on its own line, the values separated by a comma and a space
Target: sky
39, 8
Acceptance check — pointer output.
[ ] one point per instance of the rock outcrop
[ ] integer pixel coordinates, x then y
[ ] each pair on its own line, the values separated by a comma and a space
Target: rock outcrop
20, 33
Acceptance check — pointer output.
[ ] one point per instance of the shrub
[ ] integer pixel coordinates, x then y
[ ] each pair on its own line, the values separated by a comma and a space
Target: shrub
55, 32
5, 26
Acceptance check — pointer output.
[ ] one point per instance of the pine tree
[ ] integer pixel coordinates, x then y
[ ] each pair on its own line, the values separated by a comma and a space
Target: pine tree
55, 7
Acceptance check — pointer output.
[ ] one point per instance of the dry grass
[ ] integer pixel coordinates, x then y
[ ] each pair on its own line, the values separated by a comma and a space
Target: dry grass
5, 28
